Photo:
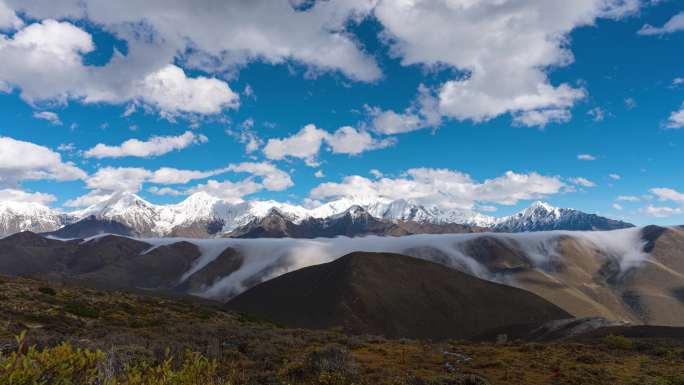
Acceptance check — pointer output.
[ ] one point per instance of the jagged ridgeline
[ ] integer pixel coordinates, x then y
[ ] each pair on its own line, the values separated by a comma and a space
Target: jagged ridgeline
203, 216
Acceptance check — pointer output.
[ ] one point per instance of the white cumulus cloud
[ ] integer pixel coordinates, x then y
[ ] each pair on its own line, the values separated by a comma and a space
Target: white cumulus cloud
48, 116
675, 24
273, 178
8, 18
16, 195
676, 119
20, 160
45, 62
587, 157
443, 187
583, 182
165, 38
306, 144
155, 146
503, 49
665, 195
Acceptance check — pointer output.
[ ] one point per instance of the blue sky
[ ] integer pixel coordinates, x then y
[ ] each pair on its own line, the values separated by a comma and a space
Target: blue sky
533, 90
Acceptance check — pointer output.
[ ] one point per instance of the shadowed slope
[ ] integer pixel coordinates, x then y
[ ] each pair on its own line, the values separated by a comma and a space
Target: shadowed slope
392, 295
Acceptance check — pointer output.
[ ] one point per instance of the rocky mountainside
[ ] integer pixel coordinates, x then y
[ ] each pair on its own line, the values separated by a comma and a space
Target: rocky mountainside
544, 217
632, 275
353, 222
204, 216
395, 296
25, 216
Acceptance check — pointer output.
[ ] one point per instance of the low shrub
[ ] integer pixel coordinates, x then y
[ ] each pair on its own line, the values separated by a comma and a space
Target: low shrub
331, 365
81, 310
47, 290
64, 364
618, 342
59, 365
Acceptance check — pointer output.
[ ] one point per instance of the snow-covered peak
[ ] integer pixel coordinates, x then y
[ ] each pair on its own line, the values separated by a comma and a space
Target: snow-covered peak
126, 208
539, 211
354, 212
29, 216
117, 204
542, 205
204, 210
197, 205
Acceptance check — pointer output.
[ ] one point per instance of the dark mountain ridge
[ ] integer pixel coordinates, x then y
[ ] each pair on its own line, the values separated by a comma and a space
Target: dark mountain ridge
392, 295
354, 222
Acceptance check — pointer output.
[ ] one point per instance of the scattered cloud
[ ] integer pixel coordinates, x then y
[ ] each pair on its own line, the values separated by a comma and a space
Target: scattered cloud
582, 182
16, 195
618, 207
66, 147
173, 93
169, 175
541, 118
675, 24
110, 180
668, 194
376, 173
48, 116
615, 176
155, 146
665, 195
587, 157
20, 161
628, 198
676, 119
246, 136
165, 191
443, 187
273, 178
630, 103
319, 174
227, 190
662, 211
422, 113
597, 114
44, 61
487, 209
348, 140
502, 51
306, 144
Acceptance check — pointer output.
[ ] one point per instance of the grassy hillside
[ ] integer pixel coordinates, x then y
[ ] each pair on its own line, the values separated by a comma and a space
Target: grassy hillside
138, 339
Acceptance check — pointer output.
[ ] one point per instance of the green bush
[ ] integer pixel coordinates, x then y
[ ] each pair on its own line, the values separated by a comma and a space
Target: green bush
331, 365
47, 290
64, 365
618, 342
81, 310
59, 365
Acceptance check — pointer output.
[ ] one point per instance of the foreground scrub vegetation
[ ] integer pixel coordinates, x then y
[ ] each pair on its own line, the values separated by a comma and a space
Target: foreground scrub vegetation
54, 333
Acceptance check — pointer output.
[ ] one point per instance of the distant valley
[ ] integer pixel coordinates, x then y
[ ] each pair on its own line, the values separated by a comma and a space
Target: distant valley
632, 275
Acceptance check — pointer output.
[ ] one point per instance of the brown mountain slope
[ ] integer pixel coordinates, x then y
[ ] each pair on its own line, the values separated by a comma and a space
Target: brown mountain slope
586, 282
392, 295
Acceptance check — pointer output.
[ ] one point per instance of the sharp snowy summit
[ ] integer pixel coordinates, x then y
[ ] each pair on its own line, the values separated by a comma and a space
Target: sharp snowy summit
202, 215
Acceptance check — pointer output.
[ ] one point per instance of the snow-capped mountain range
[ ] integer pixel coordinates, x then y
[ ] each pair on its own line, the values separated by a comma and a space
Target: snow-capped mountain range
23, 216
203, 215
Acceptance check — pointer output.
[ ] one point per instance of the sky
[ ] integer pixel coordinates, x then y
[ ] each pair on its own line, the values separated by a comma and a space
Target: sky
483, 105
